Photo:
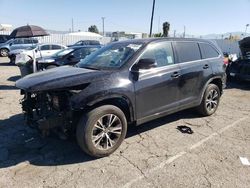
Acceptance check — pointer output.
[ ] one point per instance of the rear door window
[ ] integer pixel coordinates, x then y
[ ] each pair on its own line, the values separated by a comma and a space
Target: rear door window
207, 51
34, 41
56, 47
45, 47
187, 51
27, 41
161, 52
18, 41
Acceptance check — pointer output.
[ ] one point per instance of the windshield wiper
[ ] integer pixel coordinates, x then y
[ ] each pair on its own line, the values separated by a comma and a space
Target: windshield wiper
87, 67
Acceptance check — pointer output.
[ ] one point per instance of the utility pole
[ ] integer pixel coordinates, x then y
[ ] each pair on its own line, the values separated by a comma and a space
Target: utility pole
152, 19
184, 33
174, 33
103, 18
247, 25
72, 25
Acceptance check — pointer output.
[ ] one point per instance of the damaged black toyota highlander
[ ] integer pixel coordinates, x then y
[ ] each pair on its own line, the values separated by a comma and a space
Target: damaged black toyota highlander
129, 82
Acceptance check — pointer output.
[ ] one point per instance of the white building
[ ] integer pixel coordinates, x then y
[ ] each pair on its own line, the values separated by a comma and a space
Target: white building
5, 27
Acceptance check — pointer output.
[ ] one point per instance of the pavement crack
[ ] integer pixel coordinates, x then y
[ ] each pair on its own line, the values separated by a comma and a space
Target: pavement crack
135, 166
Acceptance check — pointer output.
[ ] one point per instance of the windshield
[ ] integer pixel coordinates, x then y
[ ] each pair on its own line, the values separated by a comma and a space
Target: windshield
111, 56
63, 52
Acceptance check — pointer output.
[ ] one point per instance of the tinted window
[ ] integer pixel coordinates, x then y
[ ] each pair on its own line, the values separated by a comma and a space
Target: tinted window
56, 47
87, 42
188, 51
27, 41
18, 41
161, 52
34, 40
86, 51
207, 51
45, 47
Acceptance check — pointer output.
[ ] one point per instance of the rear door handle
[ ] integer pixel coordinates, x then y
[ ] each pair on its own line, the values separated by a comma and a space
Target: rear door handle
206, 66
175, 75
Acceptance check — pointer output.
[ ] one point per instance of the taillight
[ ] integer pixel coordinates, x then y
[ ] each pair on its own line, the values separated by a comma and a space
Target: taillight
225, 61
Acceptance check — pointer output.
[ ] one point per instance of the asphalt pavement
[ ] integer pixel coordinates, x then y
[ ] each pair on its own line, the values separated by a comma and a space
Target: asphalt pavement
212, 153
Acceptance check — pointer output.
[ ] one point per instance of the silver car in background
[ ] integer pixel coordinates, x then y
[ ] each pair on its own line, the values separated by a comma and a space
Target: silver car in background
18, 43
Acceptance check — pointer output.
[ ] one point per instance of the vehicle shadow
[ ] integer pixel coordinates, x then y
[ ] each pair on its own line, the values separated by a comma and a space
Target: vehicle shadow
8, 87
185, 114
20, 143
236, 84
14, 78
7, 64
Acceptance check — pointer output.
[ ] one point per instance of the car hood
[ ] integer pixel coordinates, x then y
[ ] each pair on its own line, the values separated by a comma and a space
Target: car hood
49, 59
58, 79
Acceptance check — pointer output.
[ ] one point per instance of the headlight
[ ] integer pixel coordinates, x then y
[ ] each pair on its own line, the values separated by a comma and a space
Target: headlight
46, 61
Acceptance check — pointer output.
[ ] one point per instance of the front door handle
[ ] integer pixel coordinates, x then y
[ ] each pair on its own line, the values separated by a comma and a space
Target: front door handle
206, 66
175, 75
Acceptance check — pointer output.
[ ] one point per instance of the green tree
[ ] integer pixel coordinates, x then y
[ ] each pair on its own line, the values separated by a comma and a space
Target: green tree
157, 35
93, 29
166, 28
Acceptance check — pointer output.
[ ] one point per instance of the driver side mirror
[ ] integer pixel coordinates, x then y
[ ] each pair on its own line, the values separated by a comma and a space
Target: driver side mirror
11, 44
145, 64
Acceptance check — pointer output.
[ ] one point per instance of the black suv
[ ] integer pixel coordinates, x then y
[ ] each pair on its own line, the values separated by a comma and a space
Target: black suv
124, 83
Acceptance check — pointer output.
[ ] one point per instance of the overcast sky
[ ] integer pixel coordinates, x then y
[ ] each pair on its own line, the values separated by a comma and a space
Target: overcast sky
199, 16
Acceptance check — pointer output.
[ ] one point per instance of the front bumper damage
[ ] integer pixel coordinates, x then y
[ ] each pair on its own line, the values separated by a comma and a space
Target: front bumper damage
48, 111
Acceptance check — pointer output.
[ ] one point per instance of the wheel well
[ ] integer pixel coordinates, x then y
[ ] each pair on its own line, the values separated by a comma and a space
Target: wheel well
119, 102
5, 49
217, 82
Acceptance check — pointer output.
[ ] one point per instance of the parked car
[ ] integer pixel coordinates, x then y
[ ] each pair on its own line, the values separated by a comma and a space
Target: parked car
4, 38
18, 43
239, 69
86, 43
124, 83
69, 56
41, 50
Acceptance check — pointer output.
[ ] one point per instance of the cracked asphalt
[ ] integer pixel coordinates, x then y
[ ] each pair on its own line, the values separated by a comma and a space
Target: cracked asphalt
155, 154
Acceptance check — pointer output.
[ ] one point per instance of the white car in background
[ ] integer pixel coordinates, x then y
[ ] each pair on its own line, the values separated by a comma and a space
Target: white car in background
41, 50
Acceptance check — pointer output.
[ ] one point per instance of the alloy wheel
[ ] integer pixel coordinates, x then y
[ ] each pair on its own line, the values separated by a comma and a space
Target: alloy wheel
106, 131
212, 100
4, 52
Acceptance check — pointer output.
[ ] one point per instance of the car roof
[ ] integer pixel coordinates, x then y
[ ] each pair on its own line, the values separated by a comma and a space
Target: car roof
149, 40
41, 44
85, 46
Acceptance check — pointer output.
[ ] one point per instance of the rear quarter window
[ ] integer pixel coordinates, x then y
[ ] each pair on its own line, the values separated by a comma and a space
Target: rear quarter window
187, 51
208, 51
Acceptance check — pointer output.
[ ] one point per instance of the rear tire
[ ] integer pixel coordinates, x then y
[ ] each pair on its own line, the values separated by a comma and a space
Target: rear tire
210, 100
101, 131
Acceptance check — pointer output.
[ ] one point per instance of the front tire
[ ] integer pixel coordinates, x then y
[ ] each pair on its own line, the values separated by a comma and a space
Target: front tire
4, 52
210, 100
12, 59
101, 131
